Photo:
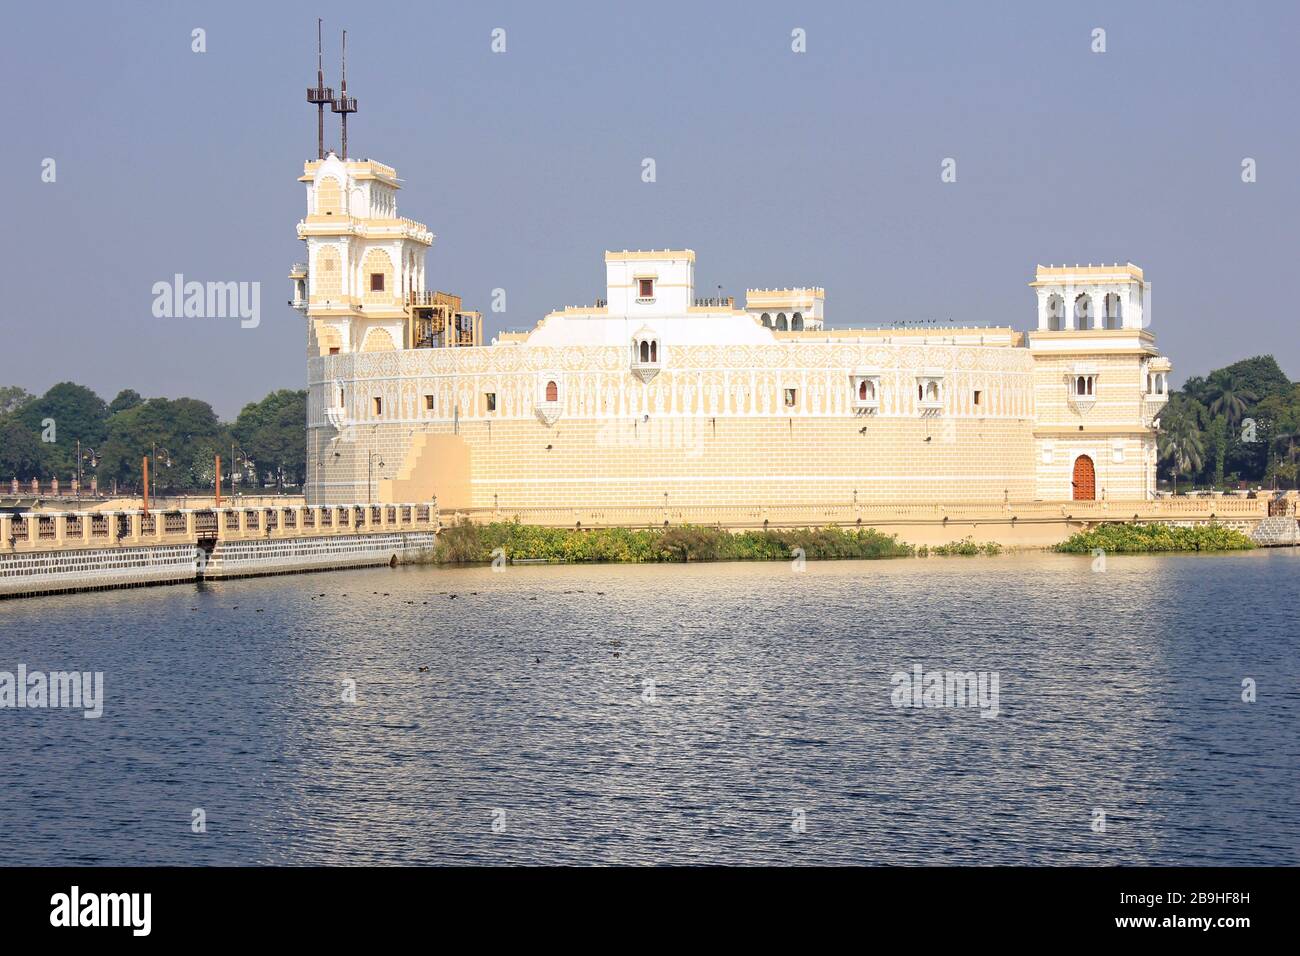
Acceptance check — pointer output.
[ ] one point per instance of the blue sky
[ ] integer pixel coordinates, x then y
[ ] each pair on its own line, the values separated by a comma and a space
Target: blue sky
777, 168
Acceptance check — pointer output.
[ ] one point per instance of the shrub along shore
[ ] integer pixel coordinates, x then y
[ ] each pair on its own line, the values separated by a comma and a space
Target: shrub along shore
477, 543
1150, 538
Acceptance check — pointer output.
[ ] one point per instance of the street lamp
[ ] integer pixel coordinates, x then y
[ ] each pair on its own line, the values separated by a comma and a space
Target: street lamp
167, 460
89, 454
241, 459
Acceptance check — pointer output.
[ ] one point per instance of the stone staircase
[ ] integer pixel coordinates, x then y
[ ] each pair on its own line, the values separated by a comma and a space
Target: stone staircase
1277, 531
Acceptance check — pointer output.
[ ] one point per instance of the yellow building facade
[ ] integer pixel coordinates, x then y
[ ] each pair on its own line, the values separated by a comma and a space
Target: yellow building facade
652, 396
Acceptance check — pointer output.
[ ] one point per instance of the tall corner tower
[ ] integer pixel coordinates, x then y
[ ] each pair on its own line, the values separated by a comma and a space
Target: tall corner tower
1099, 382
364, 263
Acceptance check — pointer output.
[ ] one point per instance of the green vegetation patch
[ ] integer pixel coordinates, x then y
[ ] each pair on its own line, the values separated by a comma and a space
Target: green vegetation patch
1146, 538
474, 543
966, 548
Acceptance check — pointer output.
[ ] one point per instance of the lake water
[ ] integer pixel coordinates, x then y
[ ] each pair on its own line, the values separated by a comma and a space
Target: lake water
721, 713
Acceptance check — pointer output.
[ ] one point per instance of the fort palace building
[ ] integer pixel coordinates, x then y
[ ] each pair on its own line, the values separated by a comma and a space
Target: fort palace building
652, 395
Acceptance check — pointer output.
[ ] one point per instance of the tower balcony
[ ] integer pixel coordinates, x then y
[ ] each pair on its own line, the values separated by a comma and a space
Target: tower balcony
298, 276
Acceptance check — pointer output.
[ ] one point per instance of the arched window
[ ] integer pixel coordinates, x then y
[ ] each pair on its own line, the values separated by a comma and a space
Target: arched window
1114, 315
1055, 313
552, 392
780, 322
767, 319
645, 351
1083, 311
862, 390
796, 322
1080, 386
932, 391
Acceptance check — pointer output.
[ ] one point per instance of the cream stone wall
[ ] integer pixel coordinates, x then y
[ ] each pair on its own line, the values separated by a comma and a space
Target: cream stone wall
711, 427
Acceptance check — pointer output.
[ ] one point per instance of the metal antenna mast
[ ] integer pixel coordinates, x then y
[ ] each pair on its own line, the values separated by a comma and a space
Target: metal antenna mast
320, 94
344, 104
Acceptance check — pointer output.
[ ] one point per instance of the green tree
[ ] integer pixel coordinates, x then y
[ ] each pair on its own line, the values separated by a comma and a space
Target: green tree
20, 451
126, 399
1229, 400
1180, 442
12, 398
77, 413
1260, 375
273, 432
1229, 397
179, 432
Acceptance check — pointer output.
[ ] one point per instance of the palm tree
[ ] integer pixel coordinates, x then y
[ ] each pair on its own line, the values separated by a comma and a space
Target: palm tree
1180, 444
1230, 398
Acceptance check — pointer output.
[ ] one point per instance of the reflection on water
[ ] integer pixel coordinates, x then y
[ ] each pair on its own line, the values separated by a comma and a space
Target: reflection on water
677, 714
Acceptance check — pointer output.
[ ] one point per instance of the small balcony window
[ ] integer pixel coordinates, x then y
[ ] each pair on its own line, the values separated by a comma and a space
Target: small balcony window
866, 392
929, 393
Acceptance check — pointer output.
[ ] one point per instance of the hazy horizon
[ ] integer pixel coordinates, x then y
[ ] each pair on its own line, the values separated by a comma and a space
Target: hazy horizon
777, 168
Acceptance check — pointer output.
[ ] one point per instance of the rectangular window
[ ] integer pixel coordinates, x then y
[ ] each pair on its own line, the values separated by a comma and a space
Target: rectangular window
790, 396
647, 288
379, 405
978, 396
334, 350
428, 403
376, 282
490, 400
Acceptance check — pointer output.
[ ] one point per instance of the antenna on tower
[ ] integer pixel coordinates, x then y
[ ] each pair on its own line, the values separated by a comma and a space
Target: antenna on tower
320, 94
344, 104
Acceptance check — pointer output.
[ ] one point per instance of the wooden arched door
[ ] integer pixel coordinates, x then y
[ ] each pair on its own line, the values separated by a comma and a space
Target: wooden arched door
1085, 479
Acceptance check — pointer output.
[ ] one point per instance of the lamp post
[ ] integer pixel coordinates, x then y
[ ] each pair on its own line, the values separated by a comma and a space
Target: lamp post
241, 459
94, 463
167, 462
